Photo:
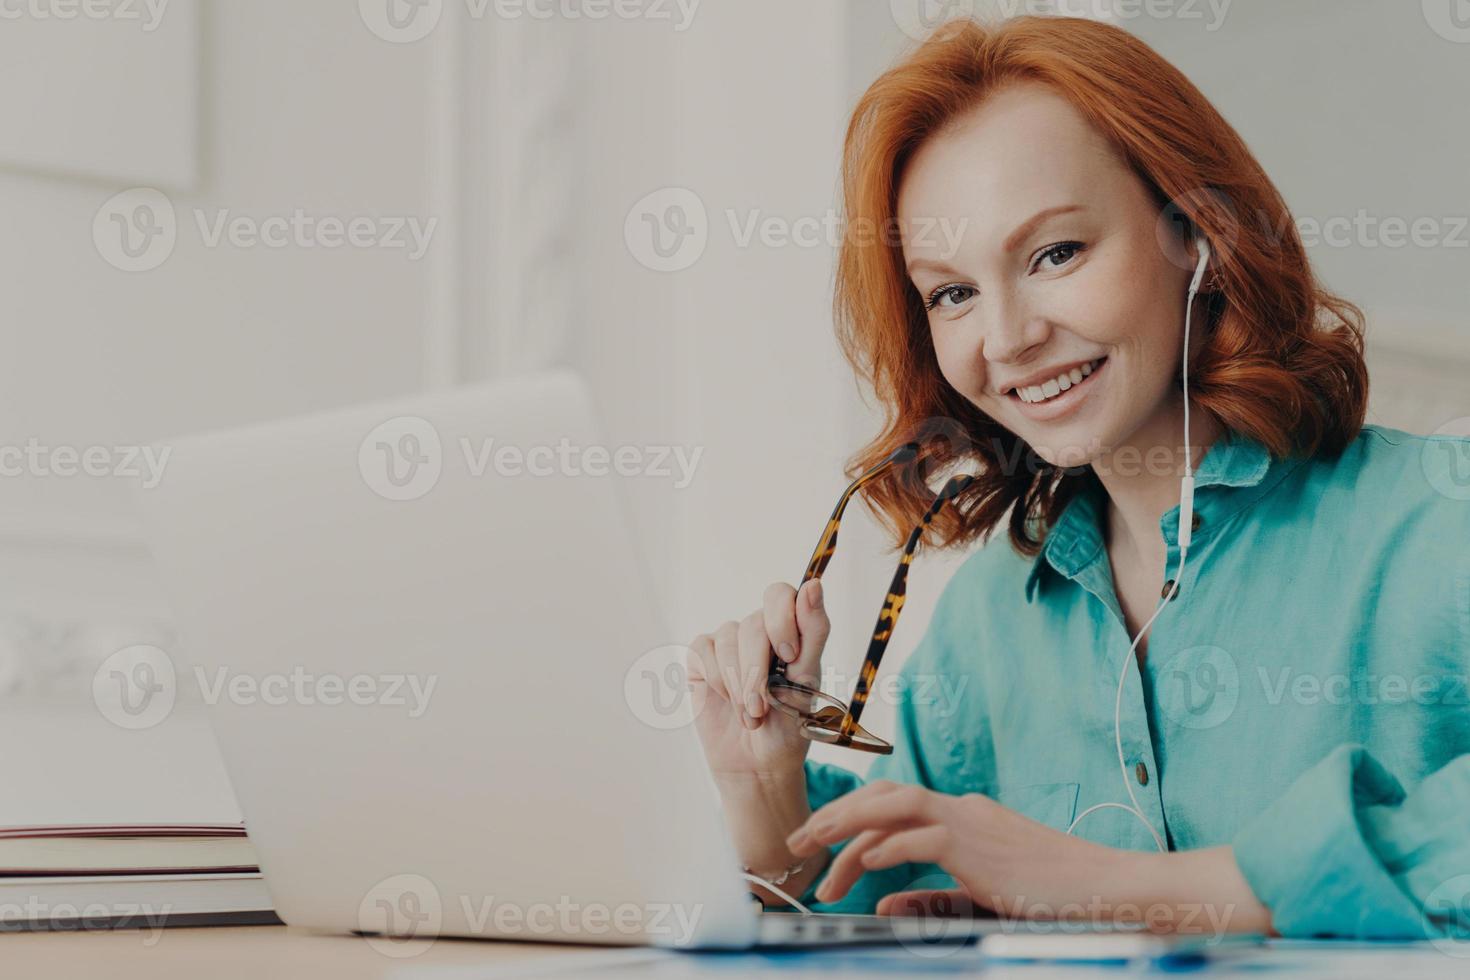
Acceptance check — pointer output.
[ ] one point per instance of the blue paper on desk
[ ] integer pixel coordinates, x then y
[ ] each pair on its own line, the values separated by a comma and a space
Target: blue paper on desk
890, 960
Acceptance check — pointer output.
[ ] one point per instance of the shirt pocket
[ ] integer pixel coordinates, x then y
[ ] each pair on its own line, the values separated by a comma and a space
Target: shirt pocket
1054, 804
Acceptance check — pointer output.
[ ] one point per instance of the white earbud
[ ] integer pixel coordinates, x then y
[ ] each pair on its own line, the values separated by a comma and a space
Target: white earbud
1204, 261
1186, 522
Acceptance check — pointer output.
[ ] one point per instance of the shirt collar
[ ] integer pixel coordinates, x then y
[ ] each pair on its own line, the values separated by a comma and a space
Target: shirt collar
1231, 476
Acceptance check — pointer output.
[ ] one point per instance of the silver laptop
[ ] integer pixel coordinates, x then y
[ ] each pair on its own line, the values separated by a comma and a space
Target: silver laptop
439, 683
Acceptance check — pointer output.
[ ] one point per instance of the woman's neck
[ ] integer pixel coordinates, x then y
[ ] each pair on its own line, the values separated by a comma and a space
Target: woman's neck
1141, 478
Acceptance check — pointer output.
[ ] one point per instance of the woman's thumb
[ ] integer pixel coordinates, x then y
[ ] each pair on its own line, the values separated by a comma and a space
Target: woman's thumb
943, 903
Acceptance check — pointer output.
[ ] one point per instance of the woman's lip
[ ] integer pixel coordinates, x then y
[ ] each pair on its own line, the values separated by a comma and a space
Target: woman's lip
1063, 404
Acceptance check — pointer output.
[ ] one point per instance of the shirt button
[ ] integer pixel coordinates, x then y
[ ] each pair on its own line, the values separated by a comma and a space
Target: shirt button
1165, 590
1141, 771
1196, 522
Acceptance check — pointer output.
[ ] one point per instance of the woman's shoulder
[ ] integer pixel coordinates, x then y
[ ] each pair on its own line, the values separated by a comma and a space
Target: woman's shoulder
1389, 486
1392, 464
1387, 439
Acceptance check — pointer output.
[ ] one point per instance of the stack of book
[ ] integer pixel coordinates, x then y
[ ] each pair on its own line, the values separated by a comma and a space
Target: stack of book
80, 876
141, 876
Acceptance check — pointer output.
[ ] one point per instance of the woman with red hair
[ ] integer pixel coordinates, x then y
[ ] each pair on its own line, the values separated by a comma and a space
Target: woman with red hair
1064, 273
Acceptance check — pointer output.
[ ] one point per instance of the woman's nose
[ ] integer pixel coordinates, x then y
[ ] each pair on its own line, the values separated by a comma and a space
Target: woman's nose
1010, 333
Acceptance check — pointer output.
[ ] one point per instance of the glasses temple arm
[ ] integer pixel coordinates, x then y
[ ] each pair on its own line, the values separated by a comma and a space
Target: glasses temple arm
893, 605
827, 543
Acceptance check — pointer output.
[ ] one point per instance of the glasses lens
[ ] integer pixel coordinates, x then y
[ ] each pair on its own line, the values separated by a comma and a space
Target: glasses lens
821, 716
806, 702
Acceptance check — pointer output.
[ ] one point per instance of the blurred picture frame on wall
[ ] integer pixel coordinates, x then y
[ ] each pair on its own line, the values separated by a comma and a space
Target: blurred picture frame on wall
120, 87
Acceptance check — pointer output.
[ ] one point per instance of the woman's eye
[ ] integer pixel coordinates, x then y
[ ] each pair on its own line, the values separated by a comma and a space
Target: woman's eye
955, 294
1060, 254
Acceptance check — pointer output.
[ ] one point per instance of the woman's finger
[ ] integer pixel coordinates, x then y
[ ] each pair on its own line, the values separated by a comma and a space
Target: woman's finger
928, 844
754, 653
727, 665
942, 903
700, 665
846, 868
886, 806
779, 606
814, 626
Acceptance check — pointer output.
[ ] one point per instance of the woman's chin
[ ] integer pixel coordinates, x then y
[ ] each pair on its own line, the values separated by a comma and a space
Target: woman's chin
1072, 457
1067, 452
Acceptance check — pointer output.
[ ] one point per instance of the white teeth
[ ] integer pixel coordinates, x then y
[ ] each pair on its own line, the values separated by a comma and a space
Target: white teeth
1059, 384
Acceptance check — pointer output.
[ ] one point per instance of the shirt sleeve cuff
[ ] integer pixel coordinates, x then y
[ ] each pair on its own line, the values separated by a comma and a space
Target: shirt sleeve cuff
1307, 859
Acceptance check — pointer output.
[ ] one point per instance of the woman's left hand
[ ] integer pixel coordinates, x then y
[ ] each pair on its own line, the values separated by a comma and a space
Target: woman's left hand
1002, 860
1019, 868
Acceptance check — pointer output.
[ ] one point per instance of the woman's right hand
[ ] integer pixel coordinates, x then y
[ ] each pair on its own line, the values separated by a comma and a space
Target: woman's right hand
742, 733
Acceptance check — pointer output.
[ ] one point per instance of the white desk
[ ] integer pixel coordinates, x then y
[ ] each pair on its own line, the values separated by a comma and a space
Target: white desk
258, 953
279, 953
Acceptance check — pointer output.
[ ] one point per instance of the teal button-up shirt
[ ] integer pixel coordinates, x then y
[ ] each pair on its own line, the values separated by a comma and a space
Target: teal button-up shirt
1304, 697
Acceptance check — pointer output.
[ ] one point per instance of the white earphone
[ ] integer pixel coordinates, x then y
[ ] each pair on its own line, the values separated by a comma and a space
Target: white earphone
1186, 526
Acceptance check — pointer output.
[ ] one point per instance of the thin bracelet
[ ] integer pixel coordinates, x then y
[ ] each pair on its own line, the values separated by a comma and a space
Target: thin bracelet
785, 875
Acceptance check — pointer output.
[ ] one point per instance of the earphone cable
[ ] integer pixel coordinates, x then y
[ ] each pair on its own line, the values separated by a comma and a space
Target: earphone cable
1186, 518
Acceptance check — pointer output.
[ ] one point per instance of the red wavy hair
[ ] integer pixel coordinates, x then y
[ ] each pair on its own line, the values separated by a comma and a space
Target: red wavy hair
1282, 360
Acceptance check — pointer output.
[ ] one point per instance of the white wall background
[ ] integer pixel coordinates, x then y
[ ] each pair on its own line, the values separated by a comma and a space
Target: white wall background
1341, 100
213, 336
529, 142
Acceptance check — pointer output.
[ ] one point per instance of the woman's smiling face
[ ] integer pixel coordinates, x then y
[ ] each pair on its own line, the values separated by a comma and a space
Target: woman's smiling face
1051, 264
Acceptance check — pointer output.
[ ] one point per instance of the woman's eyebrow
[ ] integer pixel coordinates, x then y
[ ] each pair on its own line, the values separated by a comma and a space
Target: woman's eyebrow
1011, 243
1030, 224
926, 264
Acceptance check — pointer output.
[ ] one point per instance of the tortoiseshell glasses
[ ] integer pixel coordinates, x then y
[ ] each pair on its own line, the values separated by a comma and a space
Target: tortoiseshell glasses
823, 717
